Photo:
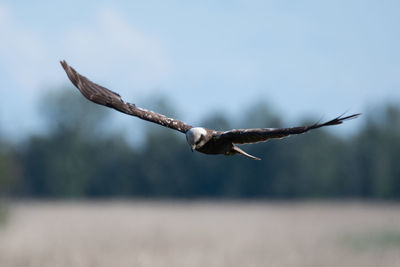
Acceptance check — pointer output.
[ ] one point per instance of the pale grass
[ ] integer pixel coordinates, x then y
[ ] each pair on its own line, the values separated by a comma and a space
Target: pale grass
137, 233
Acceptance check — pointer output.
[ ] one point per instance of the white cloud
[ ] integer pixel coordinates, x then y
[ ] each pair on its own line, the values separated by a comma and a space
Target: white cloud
114, 48
110, 47
21, 51
4, 14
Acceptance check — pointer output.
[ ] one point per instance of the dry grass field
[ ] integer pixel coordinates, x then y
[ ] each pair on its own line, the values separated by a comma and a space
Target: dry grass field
119, 233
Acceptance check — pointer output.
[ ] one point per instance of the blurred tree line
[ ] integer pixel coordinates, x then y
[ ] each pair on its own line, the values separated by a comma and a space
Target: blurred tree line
80, 157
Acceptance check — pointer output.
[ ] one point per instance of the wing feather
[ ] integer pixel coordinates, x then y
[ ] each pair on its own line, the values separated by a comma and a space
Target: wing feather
249, 136
103, 96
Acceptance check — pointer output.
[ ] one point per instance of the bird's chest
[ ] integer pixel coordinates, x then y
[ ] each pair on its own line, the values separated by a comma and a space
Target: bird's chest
215, 146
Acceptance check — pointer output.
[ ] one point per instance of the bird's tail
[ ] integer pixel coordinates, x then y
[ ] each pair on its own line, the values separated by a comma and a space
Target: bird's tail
238, 150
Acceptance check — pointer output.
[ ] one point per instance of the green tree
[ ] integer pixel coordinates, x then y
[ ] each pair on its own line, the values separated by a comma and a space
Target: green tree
81, 156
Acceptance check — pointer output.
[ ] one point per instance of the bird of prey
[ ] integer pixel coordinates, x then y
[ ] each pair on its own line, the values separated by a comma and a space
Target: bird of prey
204, 140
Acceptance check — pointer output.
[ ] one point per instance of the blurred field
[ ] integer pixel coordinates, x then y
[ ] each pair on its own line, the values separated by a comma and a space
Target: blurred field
176, 234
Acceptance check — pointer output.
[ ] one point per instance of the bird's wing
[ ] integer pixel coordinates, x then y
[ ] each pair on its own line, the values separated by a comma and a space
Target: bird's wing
103, 96
249, 136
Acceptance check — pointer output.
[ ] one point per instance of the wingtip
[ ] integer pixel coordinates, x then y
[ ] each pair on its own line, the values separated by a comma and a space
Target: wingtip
341, 119
64, 64
350, 117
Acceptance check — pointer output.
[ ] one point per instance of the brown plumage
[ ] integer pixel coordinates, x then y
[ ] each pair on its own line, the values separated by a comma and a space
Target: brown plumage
203, 140
103, 96
250, 136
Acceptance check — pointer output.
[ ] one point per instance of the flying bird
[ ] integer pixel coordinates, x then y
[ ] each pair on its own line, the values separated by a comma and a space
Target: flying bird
201, 139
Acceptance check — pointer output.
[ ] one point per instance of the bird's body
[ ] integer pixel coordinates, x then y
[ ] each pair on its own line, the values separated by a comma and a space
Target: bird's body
207, 141
210, 142
204, 140
215, 146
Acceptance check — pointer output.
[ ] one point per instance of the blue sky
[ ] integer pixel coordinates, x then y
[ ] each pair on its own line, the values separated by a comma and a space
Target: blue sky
306, 58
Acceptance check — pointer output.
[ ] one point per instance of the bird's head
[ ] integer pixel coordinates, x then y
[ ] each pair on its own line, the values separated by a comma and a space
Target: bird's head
196, 137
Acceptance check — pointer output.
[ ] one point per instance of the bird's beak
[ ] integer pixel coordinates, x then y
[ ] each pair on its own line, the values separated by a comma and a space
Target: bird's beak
193, 147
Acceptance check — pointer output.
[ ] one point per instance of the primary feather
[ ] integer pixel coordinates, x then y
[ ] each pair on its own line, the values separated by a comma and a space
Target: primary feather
103, 96
249, 136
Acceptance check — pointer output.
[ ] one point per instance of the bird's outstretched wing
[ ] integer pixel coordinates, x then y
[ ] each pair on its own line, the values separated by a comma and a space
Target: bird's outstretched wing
103, 96
249, 136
